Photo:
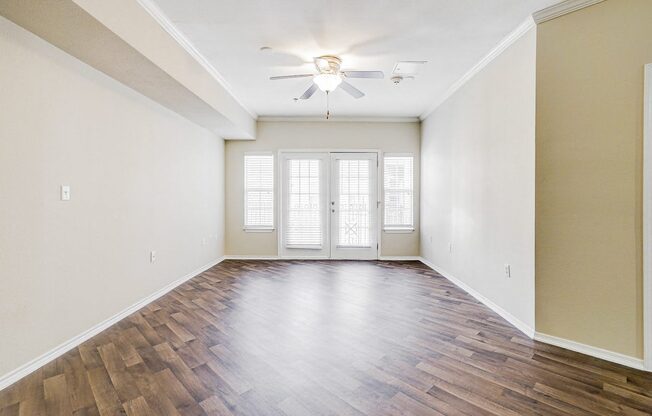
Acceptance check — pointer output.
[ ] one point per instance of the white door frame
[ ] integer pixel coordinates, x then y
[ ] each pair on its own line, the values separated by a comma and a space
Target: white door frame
347, 253
279, 205
647, 219
323, 252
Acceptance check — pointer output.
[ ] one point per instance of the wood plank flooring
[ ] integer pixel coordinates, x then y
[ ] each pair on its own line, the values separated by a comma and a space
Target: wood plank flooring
323, 338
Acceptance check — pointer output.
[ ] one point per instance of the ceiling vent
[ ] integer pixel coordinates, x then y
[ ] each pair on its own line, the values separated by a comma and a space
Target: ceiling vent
408, 67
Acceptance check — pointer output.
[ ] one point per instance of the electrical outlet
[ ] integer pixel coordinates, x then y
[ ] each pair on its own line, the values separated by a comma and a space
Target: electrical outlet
65, 192
152, 256
508, 270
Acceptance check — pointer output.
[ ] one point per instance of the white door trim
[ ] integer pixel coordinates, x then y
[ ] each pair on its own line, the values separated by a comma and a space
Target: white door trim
647, 219
278, 202
304, 252
343, 253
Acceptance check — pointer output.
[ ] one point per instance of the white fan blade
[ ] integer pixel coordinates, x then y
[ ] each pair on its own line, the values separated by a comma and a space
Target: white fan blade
355, 93
291, 76
364, 74
309, 92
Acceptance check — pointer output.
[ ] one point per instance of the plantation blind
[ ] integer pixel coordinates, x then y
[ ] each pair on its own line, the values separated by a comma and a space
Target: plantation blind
259, 191
304, 228
398, 187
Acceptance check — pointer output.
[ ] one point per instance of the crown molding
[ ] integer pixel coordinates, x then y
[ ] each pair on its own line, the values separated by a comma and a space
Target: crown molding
544, 15
561, 9
167, 25
515, 35
299, 119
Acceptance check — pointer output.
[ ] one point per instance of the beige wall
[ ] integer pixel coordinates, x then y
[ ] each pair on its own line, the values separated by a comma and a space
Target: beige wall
142, 179
127, 40
477, 182
274, 136
589, 174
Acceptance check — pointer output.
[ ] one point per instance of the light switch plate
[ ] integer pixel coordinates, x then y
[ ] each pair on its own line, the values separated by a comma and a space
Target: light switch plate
65, 192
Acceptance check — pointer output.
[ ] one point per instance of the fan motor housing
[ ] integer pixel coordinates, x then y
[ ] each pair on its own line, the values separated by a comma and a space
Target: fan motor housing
332, 64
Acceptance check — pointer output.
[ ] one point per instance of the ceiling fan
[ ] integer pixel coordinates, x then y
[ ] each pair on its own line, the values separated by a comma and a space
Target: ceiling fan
329, 76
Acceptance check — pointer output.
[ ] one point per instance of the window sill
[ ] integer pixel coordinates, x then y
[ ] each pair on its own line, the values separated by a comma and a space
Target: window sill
303, 247
258, 230
398, 230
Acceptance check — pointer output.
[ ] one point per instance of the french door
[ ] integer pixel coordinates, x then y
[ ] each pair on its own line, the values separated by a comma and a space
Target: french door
354, 206
329, 205
304, 214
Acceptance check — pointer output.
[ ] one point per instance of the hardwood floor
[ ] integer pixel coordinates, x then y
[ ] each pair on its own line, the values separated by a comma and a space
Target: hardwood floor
323, 338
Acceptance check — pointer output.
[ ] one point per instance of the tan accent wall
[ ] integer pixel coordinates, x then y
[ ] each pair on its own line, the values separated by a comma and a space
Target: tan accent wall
142, 178
589, 174
274, 136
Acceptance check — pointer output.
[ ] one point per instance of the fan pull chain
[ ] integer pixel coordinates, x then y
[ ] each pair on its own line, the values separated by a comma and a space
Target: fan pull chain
328, 111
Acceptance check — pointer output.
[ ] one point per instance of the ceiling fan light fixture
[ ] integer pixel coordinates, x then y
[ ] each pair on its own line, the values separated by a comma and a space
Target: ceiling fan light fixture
327, 82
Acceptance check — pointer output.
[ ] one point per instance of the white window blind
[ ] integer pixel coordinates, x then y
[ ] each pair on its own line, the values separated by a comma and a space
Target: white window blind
304, 216
398, 184
354, 203
259, 192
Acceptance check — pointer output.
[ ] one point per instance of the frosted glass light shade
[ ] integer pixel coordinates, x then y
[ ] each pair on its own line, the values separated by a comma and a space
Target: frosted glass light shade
327, 82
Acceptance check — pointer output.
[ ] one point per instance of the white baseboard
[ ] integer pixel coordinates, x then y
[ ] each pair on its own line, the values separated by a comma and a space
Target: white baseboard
263, 257
38, 362
249, 257
614, 357
520, 325
256, 257
399, 258
596, 352
15, 375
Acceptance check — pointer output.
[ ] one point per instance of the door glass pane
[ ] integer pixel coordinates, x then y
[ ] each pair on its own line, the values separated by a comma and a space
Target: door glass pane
304, 227
353, 219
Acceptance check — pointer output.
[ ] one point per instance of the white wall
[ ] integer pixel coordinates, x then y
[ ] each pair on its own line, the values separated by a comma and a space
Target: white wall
142, 179
399, 137
477, 181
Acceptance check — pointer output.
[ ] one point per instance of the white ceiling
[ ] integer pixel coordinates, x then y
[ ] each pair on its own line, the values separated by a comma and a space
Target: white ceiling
452, 35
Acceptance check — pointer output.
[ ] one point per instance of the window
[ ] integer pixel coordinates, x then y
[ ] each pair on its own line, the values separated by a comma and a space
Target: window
354, 203
259, 192
398, 183
304, 217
